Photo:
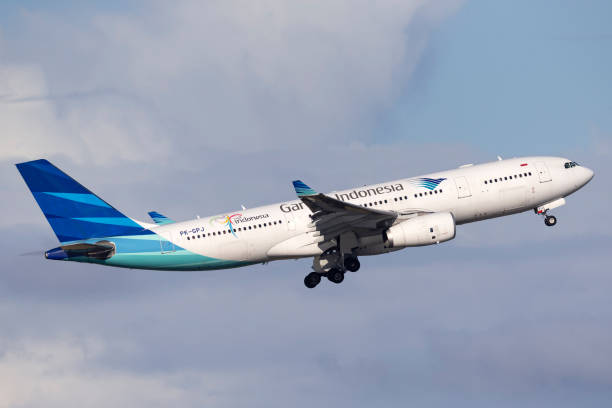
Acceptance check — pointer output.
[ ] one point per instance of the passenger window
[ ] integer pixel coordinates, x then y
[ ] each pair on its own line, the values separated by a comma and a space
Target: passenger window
485, 181
385, 201
280, 222
187, 238
510, 177
530, 173
520, 175
505, 178
250, 227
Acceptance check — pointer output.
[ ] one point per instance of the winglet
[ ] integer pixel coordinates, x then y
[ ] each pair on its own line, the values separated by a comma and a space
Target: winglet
302, 189
159, 218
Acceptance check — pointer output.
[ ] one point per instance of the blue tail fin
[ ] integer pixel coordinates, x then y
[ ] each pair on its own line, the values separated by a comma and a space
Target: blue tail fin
74, 212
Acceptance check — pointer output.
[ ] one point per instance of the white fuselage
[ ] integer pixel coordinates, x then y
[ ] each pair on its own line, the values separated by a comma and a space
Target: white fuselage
470, 193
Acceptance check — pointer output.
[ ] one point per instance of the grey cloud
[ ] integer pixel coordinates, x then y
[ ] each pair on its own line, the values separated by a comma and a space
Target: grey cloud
397, 331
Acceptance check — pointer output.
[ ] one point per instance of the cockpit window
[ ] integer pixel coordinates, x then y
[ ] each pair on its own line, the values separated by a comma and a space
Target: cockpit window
571, 164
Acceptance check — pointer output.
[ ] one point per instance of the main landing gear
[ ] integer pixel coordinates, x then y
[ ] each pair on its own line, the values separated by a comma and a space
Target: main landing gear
335, 273
312, 279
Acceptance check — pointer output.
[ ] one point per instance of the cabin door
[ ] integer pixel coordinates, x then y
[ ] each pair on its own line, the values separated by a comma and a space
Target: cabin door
543, 172
463, 188
290, 221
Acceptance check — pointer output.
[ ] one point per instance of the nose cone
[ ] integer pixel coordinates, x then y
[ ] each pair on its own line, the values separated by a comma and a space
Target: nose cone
586, 175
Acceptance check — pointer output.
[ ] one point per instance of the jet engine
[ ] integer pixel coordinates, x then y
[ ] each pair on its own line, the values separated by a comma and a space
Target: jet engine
422, 230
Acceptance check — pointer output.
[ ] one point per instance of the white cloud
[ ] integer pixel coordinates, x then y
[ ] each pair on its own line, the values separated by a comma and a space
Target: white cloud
190, 77
89, 128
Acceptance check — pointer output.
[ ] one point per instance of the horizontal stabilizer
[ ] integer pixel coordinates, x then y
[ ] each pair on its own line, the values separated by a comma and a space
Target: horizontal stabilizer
99, 250
160, 218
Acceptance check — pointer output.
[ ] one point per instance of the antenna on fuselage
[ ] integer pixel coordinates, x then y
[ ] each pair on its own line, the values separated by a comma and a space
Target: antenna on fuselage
499, 158
243, 207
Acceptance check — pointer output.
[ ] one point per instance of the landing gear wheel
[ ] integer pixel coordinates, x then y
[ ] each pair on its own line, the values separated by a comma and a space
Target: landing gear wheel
550, 220
335, 275
312, 279
352, 264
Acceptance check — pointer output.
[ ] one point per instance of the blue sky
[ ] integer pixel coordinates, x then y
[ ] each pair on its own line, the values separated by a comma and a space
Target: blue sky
512, 76
195, 108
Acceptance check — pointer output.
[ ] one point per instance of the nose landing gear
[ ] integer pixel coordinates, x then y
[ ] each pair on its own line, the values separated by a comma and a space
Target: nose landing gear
542, 210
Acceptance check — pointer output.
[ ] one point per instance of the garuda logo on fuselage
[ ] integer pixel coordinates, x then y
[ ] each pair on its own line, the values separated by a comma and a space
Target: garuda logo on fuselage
428, 183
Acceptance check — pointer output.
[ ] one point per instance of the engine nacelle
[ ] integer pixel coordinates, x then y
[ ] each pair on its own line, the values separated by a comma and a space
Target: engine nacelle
422, 230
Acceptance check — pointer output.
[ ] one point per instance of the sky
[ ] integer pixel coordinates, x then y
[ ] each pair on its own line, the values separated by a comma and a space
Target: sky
195, 108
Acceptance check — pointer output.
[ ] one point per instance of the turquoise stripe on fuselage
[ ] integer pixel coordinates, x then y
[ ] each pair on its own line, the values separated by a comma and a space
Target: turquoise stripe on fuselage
182, 260
145, 252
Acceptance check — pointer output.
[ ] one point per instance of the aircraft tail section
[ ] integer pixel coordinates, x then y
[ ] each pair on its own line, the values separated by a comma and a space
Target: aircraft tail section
160, 219
74, 212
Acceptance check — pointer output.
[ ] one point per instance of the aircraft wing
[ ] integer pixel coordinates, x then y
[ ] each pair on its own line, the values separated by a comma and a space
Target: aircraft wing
332, 216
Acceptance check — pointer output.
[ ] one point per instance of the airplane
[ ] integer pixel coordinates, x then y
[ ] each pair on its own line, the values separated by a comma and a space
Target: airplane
333, 229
